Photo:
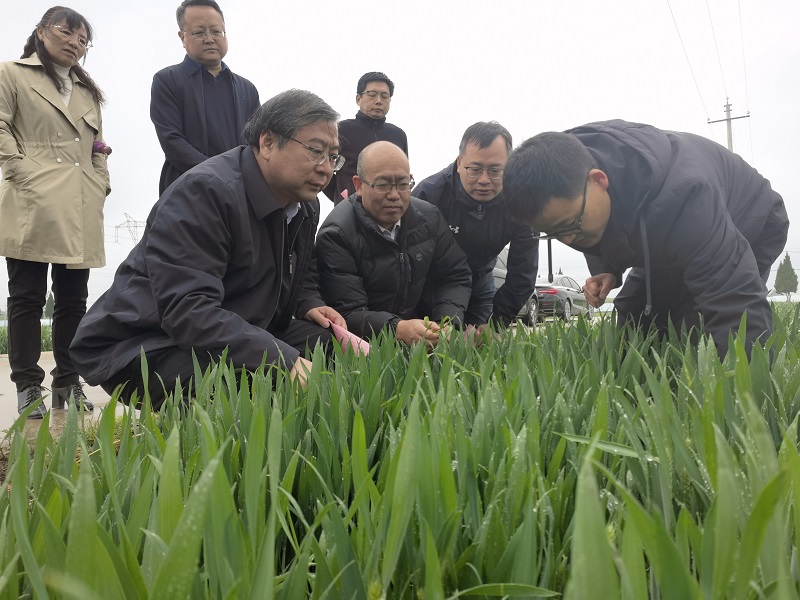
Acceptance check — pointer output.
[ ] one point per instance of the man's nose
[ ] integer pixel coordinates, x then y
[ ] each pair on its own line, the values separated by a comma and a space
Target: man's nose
393, 193
326, 167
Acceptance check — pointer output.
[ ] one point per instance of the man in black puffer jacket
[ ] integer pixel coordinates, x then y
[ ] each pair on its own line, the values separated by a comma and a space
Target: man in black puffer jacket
387, 259
469, 193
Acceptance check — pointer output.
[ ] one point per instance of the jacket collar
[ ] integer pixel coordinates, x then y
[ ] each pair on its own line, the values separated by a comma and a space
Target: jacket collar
189, 66
411, 219
367, 120
81, 101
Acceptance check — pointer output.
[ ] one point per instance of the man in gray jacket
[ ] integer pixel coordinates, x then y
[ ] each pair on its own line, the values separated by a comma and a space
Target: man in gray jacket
225, 262
700, 227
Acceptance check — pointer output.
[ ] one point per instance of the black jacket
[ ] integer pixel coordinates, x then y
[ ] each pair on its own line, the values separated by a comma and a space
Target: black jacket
211, 270
482, 229
178, 112
355, 135
702, 209
374, 281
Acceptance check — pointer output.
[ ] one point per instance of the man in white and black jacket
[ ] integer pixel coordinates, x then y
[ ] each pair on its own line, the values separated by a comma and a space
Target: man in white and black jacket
469, 193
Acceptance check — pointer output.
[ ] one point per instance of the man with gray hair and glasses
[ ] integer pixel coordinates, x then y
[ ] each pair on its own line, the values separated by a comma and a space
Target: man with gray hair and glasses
225, 262
199, 106
374, 94
469, 193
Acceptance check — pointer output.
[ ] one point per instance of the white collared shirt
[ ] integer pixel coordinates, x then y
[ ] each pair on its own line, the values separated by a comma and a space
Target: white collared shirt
291, 211
392, 235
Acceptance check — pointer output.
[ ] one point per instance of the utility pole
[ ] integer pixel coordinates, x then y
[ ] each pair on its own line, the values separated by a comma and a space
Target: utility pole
728, 118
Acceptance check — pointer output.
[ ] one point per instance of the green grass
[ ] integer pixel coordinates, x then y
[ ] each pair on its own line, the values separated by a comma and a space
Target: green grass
47, 339
569, 461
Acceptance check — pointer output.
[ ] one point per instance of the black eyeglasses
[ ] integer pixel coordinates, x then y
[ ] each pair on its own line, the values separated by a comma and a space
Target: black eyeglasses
575, 227
319, 156
384, 187
475, 172
372, 94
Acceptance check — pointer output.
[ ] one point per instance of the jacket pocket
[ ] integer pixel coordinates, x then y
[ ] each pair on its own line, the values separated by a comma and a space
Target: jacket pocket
20, 172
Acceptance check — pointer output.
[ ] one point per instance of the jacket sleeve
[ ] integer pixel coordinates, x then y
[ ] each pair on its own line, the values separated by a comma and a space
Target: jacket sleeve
10, 153
186, 275
309, 296
342, 284
597, 266
250, 105
166, 112
450, 276
99, 159
523, 266
428, 191
720, 269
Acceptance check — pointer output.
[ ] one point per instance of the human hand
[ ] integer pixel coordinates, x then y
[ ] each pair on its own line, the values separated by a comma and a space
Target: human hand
100, 147
322, 314
300, 371
411, 331
596, 288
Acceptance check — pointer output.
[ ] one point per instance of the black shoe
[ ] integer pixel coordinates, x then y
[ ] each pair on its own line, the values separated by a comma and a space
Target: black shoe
71, 393
29, 396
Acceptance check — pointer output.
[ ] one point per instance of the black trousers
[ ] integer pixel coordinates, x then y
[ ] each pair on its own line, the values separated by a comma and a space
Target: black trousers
27, 289
167, 365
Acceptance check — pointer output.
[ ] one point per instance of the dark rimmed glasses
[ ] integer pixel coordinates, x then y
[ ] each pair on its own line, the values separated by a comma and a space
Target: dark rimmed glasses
372, 94
319, 156
66, 35
575, 227
384, 187
495, 173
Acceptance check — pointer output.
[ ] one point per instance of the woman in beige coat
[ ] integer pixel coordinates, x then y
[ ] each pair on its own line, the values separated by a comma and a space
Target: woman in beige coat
54, 186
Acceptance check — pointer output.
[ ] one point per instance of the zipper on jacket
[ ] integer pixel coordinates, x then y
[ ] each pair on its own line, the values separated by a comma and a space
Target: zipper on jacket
280, 279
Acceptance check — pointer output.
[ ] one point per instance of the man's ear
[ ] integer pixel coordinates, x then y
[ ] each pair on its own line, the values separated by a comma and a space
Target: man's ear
358, 99
267, 142
458, 161
357, 183
599, 177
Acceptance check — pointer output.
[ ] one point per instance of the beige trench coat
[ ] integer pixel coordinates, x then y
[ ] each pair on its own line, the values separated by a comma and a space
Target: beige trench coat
54, 187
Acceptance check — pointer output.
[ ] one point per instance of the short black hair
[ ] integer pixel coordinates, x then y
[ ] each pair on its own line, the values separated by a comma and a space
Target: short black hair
374, 76
482, 134
285, 114
187, 3
546, 166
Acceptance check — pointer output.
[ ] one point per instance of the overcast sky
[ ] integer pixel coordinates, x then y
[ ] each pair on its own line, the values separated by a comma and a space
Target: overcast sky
533, 66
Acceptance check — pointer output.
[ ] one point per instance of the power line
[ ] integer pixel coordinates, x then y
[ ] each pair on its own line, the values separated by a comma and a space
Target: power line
746, 89
689, 62
716, 47
131, 225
